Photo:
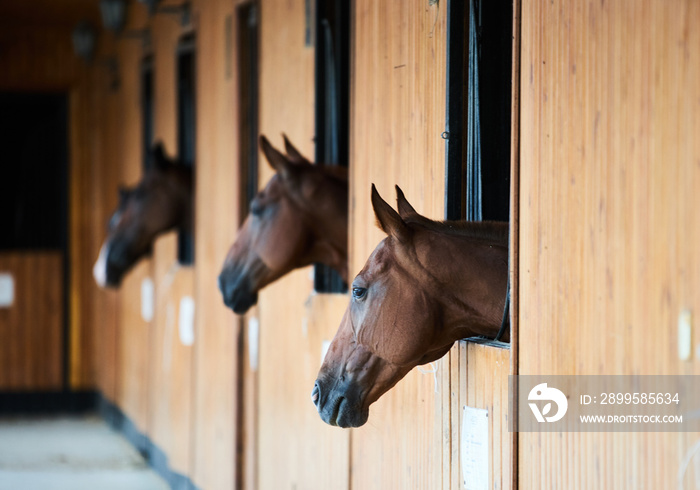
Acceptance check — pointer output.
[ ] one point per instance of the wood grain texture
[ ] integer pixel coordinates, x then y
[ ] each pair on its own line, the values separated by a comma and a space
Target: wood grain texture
216, 208
397, 117
293, 322
171, 373
31, 329
37, 58
134, 342
171, 383
104, 177
610, 167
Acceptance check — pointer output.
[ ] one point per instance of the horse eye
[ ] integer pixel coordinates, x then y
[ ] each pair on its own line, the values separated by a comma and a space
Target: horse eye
256, 208
359, 293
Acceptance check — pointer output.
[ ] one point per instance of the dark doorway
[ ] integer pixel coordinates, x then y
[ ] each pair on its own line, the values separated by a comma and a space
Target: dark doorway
33, 187
34, 224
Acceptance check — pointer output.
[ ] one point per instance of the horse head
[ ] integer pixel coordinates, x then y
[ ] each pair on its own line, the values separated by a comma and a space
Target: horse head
426, 285
160, 202
299, 218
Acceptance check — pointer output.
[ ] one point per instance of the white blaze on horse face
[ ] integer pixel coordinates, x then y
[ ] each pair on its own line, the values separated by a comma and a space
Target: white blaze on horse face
99, 271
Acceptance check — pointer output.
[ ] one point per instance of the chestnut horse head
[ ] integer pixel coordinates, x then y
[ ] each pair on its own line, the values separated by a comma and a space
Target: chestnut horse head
162, 201
300, 217
426, 285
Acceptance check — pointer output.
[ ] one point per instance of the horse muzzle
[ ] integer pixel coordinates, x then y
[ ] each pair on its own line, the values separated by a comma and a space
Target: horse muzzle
339, 405
237, 292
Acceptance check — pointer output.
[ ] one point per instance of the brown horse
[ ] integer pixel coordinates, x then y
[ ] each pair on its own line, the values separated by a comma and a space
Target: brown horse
425, 286
162, 201
300, 217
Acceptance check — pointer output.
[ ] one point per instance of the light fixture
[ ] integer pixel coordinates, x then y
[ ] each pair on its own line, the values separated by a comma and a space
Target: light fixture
113, 14
183, 10
83, 36
151, 5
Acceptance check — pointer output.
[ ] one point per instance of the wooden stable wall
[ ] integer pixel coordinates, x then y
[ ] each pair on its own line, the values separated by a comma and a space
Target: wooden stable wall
610, 172
293, 322
184, 398
36, 57
398, 111
610, 165
31, 329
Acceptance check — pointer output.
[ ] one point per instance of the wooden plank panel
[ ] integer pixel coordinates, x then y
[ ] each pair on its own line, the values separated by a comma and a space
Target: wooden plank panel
291, 434
104, 176
398, 115
82, 332
31, 330
216, 350
171, 369
293, 321
38, 58
134, 333
170, 385
610, 165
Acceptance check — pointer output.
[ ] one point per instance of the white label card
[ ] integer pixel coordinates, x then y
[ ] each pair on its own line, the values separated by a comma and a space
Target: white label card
253, 342
474, 448
147, 299
186, 320
7, 290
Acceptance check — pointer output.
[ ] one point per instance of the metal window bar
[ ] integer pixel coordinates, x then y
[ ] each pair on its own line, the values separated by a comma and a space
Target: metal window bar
473, 149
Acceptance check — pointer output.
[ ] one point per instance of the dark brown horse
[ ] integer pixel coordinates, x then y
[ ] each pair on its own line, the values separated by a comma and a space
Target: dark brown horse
299, 218
162, 201
425, 286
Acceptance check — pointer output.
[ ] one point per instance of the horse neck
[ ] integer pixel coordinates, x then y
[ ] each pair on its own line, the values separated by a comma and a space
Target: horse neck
327, 215
181, 190
470, 278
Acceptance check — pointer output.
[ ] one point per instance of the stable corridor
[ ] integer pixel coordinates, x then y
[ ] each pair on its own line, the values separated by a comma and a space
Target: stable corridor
70, 453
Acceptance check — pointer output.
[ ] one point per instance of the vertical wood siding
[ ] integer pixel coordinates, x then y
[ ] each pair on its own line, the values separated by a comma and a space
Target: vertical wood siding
31, 329
610, 167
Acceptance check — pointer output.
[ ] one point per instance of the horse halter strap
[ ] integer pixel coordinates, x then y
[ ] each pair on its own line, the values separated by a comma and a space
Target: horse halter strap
504, 322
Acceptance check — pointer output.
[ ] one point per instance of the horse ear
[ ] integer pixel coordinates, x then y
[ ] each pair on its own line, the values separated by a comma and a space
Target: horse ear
277, 160
160, 160
405, 208
388, 219
294, 154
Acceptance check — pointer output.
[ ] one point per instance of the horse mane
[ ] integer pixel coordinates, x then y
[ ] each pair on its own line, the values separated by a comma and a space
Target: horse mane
487, 231
334, 171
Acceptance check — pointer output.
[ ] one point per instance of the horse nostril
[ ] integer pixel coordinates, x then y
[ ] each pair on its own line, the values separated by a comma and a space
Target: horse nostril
315, 394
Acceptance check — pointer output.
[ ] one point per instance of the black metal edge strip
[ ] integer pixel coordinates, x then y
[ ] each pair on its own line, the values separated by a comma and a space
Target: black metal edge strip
454, 111
155, 456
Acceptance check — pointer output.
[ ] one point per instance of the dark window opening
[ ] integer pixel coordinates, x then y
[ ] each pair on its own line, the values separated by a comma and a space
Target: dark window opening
479, 80
147, 110
332, 67
34, 185
186, 130
247, 22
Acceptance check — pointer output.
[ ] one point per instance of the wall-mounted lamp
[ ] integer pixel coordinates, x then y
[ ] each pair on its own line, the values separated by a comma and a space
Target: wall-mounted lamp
183, 10
84, 36
113, 14
151, 5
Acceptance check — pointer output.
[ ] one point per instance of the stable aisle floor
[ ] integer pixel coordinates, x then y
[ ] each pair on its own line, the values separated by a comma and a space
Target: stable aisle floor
69, 453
